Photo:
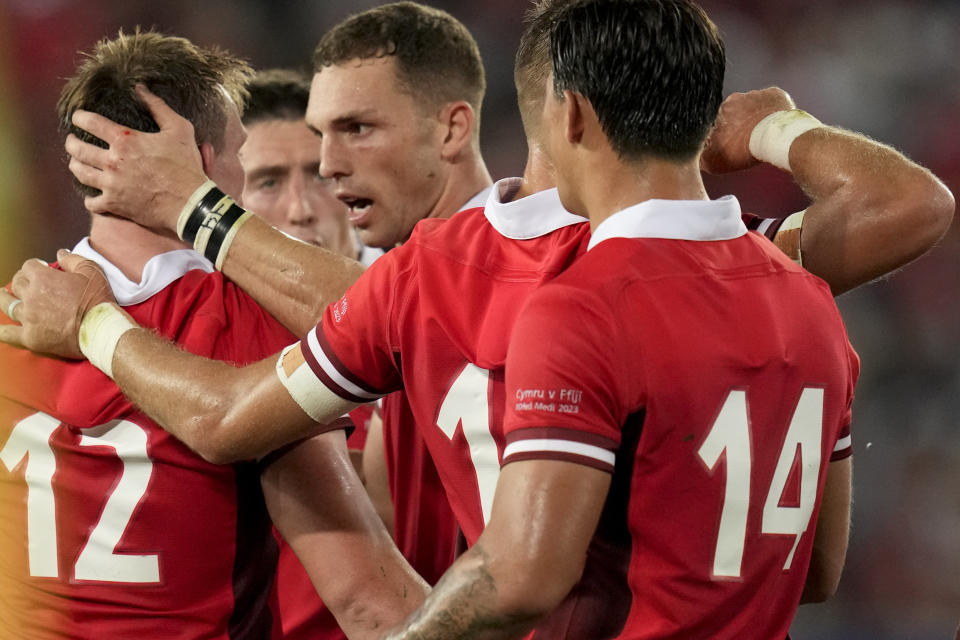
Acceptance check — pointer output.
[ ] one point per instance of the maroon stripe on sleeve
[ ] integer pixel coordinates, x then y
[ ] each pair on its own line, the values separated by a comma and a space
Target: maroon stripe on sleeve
324, 378
341, 368
559, 455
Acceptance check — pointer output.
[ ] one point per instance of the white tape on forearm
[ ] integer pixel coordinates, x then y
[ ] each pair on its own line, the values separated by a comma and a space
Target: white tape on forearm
100, 332
771, 139
316, 400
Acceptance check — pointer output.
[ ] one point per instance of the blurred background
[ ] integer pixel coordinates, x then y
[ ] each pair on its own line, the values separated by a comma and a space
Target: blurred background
887, 68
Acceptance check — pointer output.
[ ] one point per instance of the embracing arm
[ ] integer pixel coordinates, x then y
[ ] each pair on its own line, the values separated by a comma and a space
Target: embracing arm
872, 211
375, 476
526, 561
832, 535
223, 412
319, 507
149, 177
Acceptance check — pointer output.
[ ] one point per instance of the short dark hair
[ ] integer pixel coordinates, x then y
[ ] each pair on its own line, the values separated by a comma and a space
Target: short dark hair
436, 56
189, 78
277, 94
532, 64
652, 70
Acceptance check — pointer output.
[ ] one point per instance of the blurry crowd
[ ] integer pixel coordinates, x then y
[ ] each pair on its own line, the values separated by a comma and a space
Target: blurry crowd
886, 68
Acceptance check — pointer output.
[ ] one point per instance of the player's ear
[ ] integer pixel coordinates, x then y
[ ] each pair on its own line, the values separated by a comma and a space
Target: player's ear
207, 154
574, 114
457, 122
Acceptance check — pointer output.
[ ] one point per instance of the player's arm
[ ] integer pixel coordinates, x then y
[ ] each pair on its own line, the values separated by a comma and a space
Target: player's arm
375, 477
223, 412
872, 211
832, 535
317, 503
528, 558
150, 178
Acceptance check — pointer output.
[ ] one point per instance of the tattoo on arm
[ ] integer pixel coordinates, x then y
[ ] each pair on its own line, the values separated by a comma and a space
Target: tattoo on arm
465, 605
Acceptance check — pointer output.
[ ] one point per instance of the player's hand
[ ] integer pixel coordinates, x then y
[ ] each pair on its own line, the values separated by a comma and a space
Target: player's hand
52, 304
728, 145
146, 177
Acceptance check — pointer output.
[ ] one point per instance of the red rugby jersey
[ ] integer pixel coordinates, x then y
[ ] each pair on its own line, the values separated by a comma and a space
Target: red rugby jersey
635, 361
112, 528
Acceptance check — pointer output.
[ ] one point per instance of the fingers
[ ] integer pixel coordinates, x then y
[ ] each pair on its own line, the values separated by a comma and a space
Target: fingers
8, 304
104, 128
86, 152
86, 160
12, 334
163, 115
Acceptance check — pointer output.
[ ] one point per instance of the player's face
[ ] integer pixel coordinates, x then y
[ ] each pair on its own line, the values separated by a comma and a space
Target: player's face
226, 169
281, 162
379, 146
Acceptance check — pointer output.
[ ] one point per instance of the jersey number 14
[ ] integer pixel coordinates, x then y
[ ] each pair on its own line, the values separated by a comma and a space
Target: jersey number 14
729, 437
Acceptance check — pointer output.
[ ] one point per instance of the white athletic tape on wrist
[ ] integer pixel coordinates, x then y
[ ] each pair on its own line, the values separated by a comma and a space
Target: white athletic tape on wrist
228, 239
191, 204
210, 221
770, 140
308, 392
100, 331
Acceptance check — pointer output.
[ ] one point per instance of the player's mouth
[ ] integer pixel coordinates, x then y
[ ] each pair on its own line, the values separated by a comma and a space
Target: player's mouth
358, 208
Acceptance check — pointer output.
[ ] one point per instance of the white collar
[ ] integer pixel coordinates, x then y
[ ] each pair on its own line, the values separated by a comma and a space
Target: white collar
158, 273
701, 220
530, 217
477, 200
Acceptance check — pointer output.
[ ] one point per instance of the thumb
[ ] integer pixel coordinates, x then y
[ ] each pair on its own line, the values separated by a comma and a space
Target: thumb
162, 114
70, 262
12, 334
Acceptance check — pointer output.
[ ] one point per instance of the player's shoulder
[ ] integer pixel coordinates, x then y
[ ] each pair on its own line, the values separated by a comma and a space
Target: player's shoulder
441, 233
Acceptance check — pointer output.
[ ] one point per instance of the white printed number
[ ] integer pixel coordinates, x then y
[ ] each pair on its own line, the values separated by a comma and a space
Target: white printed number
467, 402
730, 435
97, 560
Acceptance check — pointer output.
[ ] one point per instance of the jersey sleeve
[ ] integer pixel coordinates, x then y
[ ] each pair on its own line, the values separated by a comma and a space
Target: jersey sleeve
783, 232
844, 446
354, 350
564, 381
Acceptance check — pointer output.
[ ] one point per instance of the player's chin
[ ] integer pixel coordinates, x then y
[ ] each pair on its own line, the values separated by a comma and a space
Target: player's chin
377, 235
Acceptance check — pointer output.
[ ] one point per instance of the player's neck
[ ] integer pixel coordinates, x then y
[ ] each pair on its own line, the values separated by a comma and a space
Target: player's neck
537, 175
468, 177
612, 186
127, 245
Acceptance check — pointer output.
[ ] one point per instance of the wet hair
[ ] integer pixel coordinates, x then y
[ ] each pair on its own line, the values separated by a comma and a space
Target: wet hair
652, 70
532, 63
189, 78
437, 60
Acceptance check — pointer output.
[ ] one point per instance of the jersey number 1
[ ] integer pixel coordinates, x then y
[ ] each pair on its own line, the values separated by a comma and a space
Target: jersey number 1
467, 403
730, 437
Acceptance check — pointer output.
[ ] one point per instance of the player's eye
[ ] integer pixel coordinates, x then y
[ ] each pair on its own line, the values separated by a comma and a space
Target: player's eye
268, 183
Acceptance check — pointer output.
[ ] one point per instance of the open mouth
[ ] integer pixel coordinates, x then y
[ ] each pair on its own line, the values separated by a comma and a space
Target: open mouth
358, 206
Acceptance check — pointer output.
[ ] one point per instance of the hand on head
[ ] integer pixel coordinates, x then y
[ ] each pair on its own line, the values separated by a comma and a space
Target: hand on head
728, 145
52, 304
145, 177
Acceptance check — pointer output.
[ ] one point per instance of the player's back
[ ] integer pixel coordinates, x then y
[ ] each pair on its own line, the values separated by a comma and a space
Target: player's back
112, 527
448, 299
723, 378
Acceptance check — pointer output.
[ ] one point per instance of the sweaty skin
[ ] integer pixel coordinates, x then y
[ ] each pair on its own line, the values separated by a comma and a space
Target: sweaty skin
228, 420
